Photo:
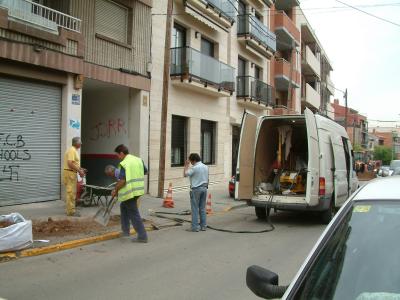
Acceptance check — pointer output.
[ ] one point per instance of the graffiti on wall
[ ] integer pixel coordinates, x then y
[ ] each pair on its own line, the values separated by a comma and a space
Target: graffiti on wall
13, 151
107, 129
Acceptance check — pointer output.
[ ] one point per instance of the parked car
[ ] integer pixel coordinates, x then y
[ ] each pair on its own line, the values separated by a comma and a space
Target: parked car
231, 187
356, 256
383, 171
294, 162
396, 171
394, 164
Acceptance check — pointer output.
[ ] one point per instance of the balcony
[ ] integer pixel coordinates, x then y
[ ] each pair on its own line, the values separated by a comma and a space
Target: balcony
311, 98
253, 91
40, 16
286, 4
214, 13
201, 72
310, 63
256, 36
265, 2
286, 32
329, 85
283, 76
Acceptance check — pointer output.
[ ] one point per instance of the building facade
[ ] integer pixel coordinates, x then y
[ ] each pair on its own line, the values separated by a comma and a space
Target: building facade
387, 135
70, 68
357, 125
95, 69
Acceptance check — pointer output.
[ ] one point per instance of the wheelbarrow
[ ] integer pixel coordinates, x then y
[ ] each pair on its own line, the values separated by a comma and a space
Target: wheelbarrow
96, 195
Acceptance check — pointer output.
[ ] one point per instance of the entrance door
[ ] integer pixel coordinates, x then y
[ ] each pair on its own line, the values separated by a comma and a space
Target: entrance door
30, 141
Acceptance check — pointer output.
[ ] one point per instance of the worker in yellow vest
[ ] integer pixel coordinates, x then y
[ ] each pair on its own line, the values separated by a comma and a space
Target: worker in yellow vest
129, 188
72, 166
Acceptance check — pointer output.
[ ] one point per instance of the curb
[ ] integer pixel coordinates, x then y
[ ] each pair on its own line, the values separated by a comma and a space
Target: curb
8, 256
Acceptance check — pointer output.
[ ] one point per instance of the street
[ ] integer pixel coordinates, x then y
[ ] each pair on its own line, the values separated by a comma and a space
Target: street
175, 264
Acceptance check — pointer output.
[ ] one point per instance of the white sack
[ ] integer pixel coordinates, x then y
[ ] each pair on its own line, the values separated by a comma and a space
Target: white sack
16, 236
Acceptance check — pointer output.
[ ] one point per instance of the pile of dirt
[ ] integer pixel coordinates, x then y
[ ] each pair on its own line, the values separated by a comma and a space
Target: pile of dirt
4, 224
65, 227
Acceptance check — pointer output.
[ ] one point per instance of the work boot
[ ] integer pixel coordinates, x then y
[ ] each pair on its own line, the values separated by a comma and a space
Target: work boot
137, 240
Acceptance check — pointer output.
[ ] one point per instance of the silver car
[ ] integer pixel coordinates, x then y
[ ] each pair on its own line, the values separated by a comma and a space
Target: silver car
356, 257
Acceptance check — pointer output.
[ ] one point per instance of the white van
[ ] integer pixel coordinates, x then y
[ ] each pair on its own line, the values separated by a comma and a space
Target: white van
294, 162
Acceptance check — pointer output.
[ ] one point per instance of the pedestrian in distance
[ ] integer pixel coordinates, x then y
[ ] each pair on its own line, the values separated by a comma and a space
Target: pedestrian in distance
72, 167
129, 188
198, 176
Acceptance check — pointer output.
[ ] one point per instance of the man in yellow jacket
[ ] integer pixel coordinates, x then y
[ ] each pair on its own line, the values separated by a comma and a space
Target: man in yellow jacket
71, 167
129, 188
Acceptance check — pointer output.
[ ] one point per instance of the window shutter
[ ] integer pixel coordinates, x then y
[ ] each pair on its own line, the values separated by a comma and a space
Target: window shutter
112, 20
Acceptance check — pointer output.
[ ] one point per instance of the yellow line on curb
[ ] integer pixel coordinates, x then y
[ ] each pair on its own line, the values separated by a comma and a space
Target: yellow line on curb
62, 246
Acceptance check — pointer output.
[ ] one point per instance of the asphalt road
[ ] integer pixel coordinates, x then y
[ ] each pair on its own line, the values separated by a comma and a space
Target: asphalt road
175, 264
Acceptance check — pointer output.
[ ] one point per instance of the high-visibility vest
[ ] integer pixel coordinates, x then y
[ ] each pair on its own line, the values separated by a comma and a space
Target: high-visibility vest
134, 178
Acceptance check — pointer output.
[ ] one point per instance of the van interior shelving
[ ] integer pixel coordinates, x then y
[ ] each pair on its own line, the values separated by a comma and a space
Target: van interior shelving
281, 157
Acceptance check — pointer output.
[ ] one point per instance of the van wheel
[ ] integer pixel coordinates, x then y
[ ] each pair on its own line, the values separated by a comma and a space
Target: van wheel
261, 213
327, 215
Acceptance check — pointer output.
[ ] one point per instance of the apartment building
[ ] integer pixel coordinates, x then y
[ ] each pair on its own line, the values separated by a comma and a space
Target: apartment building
221, 55
286, 70
70, 68
357, 124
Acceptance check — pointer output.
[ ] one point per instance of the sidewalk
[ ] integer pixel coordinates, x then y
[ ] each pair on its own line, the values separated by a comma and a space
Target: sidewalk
47, 212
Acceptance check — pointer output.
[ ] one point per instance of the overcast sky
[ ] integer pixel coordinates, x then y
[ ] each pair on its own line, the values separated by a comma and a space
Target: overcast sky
364, 52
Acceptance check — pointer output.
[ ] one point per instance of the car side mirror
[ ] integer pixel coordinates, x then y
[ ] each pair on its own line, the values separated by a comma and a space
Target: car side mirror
264, 283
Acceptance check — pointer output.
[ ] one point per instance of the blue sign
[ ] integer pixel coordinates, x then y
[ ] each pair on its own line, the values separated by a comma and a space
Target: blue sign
76, 99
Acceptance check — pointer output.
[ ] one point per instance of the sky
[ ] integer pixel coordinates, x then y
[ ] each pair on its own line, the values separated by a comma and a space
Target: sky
364, 52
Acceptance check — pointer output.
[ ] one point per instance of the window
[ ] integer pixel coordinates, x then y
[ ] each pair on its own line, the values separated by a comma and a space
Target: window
257, 72
112, 20
208, 130
178, 141
178, 36
207, 47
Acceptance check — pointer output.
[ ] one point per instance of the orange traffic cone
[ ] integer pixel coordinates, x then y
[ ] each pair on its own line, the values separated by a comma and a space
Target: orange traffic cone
168, 202
209, 209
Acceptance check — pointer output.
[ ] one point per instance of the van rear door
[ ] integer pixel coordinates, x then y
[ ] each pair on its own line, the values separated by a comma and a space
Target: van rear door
313, 158
340, 172
244, 184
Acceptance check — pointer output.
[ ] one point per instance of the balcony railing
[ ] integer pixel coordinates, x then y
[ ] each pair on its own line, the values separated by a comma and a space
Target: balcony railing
256, 90
225, 7
40, 15
311, 96
311, 60
282, 67
250, 25
283, 21
186, 61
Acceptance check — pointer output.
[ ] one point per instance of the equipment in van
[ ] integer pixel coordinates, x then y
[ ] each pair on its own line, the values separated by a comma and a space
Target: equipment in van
306, 158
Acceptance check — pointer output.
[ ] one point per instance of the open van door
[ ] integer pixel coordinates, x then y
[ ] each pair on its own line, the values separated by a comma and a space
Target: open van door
244, 183
339, 169
312, 190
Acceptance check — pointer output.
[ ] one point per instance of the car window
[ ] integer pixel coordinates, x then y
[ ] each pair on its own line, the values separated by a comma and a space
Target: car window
394, 164
361, 258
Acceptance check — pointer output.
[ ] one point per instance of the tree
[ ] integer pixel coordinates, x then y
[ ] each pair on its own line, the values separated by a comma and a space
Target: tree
383, 153
357, 148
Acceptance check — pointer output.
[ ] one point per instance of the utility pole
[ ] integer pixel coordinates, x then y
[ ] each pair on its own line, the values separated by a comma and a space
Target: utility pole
164, 108
345, 113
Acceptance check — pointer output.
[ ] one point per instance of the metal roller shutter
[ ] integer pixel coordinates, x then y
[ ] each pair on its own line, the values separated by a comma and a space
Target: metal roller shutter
30, 141
112, 20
